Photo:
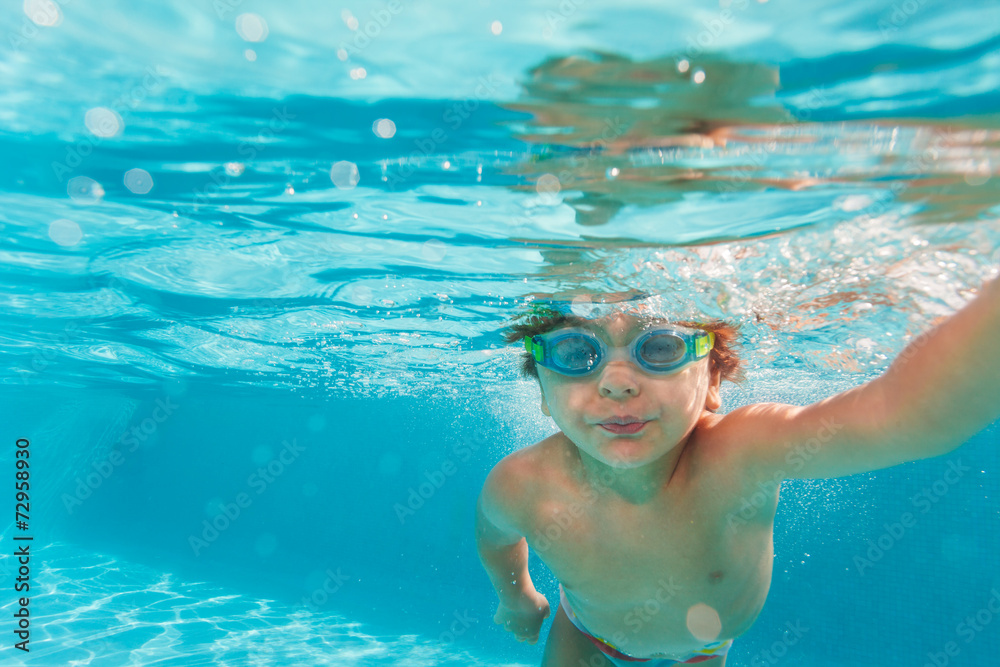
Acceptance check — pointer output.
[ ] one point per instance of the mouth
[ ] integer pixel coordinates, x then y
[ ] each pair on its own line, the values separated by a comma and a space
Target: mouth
621, 425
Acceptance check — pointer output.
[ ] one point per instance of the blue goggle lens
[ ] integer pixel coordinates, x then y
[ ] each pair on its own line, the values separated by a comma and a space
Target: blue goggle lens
576, 353
664, 350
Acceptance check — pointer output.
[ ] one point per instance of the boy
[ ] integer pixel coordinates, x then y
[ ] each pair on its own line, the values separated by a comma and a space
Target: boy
632, 503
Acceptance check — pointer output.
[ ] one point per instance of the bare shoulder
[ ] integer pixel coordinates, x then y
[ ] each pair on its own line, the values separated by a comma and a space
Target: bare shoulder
514, 486
736, 438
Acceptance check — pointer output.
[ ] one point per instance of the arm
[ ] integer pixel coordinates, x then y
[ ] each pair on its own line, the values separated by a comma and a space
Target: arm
503, 551
941, 390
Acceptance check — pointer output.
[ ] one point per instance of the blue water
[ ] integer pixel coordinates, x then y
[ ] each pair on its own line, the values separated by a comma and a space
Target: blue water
255, 258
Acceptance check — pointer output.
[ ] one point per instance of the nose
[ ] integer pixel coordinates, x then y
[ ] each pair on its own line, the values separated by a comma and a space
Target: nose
619, 379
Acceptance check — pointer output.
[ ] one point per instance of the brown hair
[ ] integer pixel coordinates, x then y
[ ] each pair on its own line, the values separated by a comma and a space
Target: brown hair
724, 356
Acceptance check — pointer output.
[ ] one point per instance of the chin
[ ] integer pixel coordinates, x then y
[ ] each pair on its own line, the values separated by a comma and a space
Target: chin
628, 455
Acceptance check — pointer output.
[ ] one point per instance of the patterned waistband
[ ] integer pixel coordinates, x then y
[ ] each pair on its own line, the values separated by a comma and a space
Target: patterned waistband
707, 652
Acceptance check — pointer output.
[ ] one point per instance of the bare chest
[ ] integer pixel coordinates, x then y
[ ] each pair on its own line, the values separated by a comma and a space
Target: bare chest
620, 562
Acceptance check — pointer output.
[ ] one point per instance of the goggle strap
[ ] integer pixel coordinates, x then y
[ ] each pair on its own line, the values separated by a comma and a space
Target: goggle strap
536, 350
704, 344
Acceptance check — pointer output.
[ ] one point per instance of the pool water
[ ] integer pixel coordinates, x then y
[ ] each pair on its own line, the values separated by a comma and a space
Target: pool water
256, 258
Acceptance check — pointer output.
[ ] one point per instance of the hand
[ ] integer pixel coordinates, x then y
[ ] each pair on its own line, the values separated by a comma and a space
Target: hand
524, 618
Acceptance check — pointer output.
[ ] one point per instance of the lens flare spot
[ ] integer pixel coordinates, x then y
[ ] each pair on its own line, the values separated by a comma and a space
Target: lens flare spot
44, 13
384, 128
703, 622
344, 174
138, 181
84, 190
433, 250
251, 27
103, 122
65, 232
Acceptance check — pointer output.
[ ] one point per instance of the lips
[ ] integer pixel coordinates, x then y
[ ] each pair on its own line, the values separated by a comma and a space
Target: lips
623, 425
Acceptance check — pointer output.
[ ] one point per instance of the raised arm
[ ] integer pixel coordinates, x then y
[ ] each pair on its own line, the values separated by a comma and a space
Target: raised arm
941, 390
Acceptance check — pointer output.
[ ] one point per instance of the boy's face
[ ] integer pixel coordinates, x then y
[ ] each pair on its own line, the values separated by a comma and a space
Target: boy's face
665, 407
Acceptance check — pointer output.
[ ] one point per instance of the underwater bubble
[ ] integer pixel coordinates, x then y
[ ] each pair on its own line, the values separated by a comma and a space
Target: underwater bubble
44, 13
358, 73
703, 622
103, 122
84, 190
65, 232
683, 65
698, 76
138, 181
251, 27
234, 168
250, 55
265, 545
612, 173
344, 174
384, 128
496, 27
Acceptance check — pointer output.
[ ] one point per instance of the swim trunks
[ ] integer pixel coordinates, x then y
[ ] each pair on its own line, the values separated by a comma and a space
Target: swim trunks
619, 659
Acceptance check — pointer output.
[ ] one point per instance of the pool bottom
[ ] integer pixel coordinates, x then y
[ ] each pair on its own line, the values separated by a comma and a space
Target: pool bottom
95, 610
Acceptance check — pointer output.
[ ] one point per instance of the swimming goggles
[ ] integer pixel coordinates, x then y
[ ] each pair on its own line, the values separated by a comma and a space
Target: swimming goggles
578, 352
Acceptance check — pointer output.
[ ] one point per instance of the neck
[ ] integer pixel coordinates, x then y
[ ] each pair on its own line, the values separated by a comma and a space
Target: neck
636, 485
